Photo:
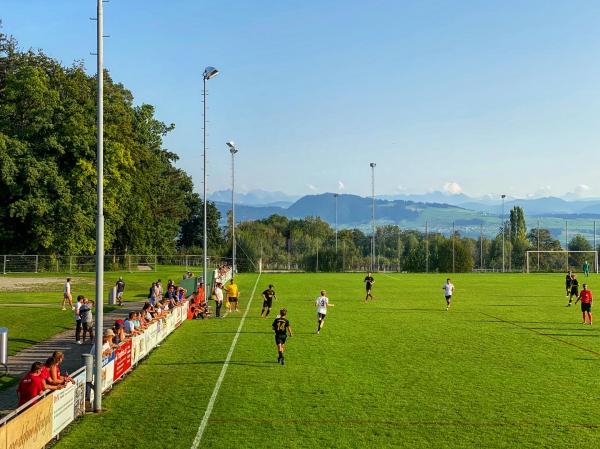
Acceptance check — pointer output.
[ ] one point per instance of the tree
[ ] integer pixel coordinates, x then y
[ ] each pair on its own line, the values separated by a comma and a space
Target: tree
579, 243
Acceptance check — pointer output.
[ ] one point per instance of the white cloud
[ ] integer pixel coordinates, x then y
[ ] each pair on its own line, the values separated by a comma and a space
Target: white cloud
543, 191
452, 188
341, 185
581, 190
311, 187
400, 188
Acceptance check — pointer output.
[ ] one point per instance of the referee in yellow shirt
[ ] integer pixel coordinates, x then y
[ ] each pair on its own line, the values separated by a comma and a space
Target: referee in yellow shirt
233, 294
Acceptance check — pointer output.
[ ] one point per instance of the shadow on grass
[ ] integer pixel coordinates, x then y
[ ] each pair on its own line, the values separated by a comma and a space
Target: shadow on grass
7, 382
512, 305
222, 362
569, 335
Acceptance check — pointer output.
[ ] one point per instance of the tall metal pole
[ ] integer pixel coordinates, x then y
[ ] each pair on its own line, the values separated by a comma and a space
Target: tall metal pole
373, 215
538, 245
567, 241
453, 258
209, 72
335, 195
426, 247
204, 230
481, 247
100, 207
595, 249
503, 266
233, 150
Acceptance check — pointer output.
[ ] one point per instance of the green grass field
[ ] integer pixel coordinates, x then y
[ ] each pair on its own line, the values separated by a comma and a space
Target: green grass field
508, 366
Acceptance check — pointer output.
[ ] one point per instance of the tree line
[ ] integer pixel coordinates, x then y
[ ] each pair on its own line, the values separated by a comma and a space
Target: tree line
48, 165
310, 244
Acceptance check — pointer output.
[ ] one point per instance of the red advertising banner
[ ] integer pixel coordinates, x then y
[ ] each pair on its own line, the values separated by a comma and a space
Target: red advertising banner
122, 359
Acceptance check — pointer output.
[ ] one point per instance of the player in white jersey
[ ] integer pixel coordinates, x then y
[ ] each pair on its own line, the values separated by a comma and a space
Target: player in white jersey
448, 288
322, 302
67, 297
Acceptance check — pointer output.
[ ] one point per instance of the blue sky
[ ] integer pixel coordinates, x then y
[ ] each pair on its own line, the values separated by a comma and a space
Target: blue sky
482, 97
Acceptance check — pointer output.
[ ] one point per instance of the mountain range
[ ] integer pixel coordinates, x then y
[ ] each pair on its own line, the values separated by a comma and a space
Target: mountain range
439, 210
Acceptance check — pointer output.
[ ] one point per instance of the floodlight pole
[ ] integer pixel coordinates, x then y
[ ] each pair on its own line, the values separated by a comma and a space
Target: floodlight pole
233, 150
453, 242
209, 72
503, 266
426, 247
595, 249
100, 207
372, 165
336, 195
481, 247
567, 241
538, 245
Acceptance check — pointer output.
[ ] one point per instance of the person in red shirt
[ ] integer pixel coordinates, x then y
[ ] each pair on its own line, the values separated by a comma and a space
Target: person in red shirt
586, 304
33, 384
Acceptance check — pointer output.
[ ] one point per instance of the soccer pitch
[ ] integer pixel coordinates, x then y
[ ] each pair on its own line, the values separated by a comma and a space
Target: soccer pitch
508, 366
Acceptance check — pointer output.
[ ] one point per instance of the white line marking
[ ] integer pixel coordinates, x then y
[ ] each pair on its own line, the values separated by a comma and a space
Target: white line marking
215, 392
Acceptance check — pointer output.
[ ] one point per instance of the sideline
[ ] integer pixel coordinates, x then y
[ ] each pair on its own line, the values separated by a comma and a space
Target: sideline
215, 392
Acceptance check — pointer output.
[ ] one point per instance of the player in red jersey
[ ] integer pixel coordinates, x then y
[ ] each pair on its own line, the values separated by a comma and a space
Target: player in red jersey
586, 304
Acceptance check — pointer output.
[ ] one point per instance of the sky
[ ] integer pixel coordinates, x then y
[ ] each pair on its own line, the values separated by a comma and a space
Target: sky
475, 97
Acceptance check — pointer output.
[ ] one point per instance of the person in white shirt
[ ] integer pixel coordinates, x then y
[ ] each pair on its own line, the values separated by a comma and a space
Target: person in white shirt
218, 299
322, 302
67, 295
448, 288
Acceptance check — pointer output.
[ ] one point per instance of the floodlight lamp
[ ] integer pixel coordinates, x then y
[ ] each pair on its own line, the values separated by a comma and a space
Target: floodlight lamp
210, 72
232, 148
503, 196
372, 164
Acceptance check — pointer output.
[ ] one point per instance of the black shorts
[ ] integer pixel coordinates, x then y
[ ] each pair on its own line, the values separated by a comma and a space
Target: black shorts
268, 303
233, 299
586, 306
448, 297
280, 339
574, 292
368, 287
321, 316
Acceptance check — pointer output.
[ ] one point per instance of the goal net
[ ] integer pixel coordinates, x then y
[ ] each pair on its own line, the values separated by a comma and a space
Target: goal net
560, 260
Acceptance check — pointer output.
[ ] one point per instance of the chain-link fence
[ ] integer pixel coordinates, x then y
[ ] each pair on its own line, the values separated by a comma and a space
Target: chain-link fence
27, 263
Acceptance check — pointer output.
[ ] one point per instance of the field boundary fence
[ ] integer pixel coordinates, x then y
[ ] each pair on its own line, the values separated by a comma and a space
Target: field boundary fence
36, 263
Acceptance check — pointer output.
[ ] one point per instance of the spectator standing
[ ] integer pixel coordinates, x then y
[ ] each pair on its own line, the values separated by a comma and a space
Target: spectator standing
233, 294
107, 342
129, 324
120, 289
119, 330
218, 299
67, 297
53, 365
87, 319
78, 305
152, 294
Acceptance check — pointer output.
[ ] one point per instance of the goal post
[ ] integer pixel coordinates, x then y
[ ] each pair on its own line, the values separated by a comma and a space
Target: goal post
559, 260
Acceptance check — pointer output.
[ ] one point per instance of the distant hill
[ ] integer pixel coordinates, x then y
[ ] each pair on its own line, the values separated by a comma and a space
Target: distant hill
353, 210
255, 198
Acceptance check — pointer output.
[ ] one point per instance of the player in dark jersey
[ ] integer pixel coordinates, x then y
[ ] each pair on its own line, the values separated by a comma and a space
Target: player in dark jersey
369, 281
568, 282
282, 328
269, 296
574, 289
